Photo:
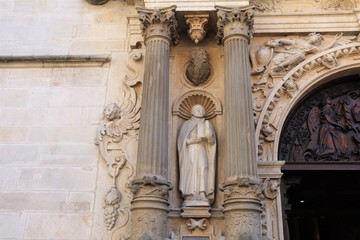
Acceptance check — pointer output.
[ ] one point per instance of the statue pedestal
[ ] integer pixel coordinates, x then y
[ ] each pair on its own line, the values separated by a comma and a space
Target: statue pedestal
196, 212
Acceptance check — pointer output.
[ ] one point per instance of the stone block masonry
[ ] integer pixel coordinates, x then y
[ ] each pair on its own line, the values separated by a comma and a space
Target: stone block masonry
49, 116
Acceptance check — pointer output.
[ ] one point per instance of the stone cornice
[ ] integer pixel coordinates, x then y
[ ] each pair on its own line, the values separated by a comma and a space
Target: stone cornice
51, 61
194, 5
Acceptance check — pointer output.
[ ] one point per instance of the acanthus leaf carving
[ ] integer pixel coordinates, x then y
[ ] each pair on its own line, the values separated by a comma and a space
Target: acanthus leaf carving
241, 20
159, 22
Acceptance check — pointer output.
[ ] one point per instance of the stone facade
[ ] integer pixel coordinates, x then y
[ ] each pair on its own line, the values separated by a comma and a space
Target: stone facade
76, 75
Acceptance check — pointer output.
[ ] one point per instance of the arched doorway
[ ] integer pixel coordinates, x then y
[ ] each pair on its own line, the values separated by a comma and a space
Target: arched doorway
320, 143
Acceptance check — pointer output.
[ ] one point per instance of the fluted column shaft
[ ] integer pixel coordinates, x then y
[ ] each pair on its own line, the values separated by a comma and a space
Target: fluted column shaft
241, 187
152, 154
239, 120
151, 186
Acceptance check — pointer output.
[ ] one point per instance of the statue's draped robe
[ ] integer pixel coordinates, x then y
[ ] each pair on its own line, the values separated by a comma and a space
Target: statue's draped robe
195, 156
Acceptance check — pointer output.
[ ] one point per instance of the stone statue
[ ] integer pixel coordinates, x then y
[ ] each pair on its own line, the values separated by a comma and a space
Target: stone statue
197, 148
331, 136
283, 54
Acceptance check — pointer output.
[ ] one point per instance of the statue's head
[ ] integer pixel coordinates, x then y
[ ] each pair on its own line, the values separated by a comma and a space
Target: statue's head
315, 38
198, 111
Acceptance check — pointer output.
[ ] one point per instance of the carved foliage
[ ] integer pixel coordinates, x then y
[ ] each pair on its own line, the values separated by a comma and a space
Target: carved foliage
150, 185
240, 19
159, 22
198, 70
332, 51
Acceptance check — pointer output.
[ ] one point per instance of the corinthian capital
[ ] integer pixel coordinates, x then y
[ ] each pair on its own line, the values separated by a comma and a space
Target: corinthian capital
234, 21
159, 22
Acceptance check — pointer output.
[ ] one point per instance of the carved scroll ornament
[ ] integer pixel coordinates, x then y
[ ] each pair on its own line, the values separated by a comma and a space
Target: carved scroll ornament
117, 142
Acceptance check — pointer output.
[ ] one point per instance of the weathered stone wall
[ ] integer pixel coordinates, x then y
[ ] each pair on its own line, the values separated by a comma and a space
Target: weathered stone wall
53, 180
49, 165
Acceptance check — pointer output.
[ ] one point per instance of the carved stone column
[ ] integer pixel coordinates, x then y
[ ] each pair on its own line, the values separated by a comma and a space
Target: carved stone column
242, 190
150, 187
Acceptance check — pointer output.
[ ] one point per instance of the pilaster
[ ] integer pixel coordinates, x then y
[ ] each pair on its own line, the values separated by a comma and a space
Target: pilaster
242, 189
151, 186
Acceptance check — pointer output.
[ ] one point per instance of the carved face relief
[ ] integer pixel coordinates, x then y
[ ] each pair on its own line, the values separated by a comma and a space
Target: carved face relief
198, 111
198, 70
